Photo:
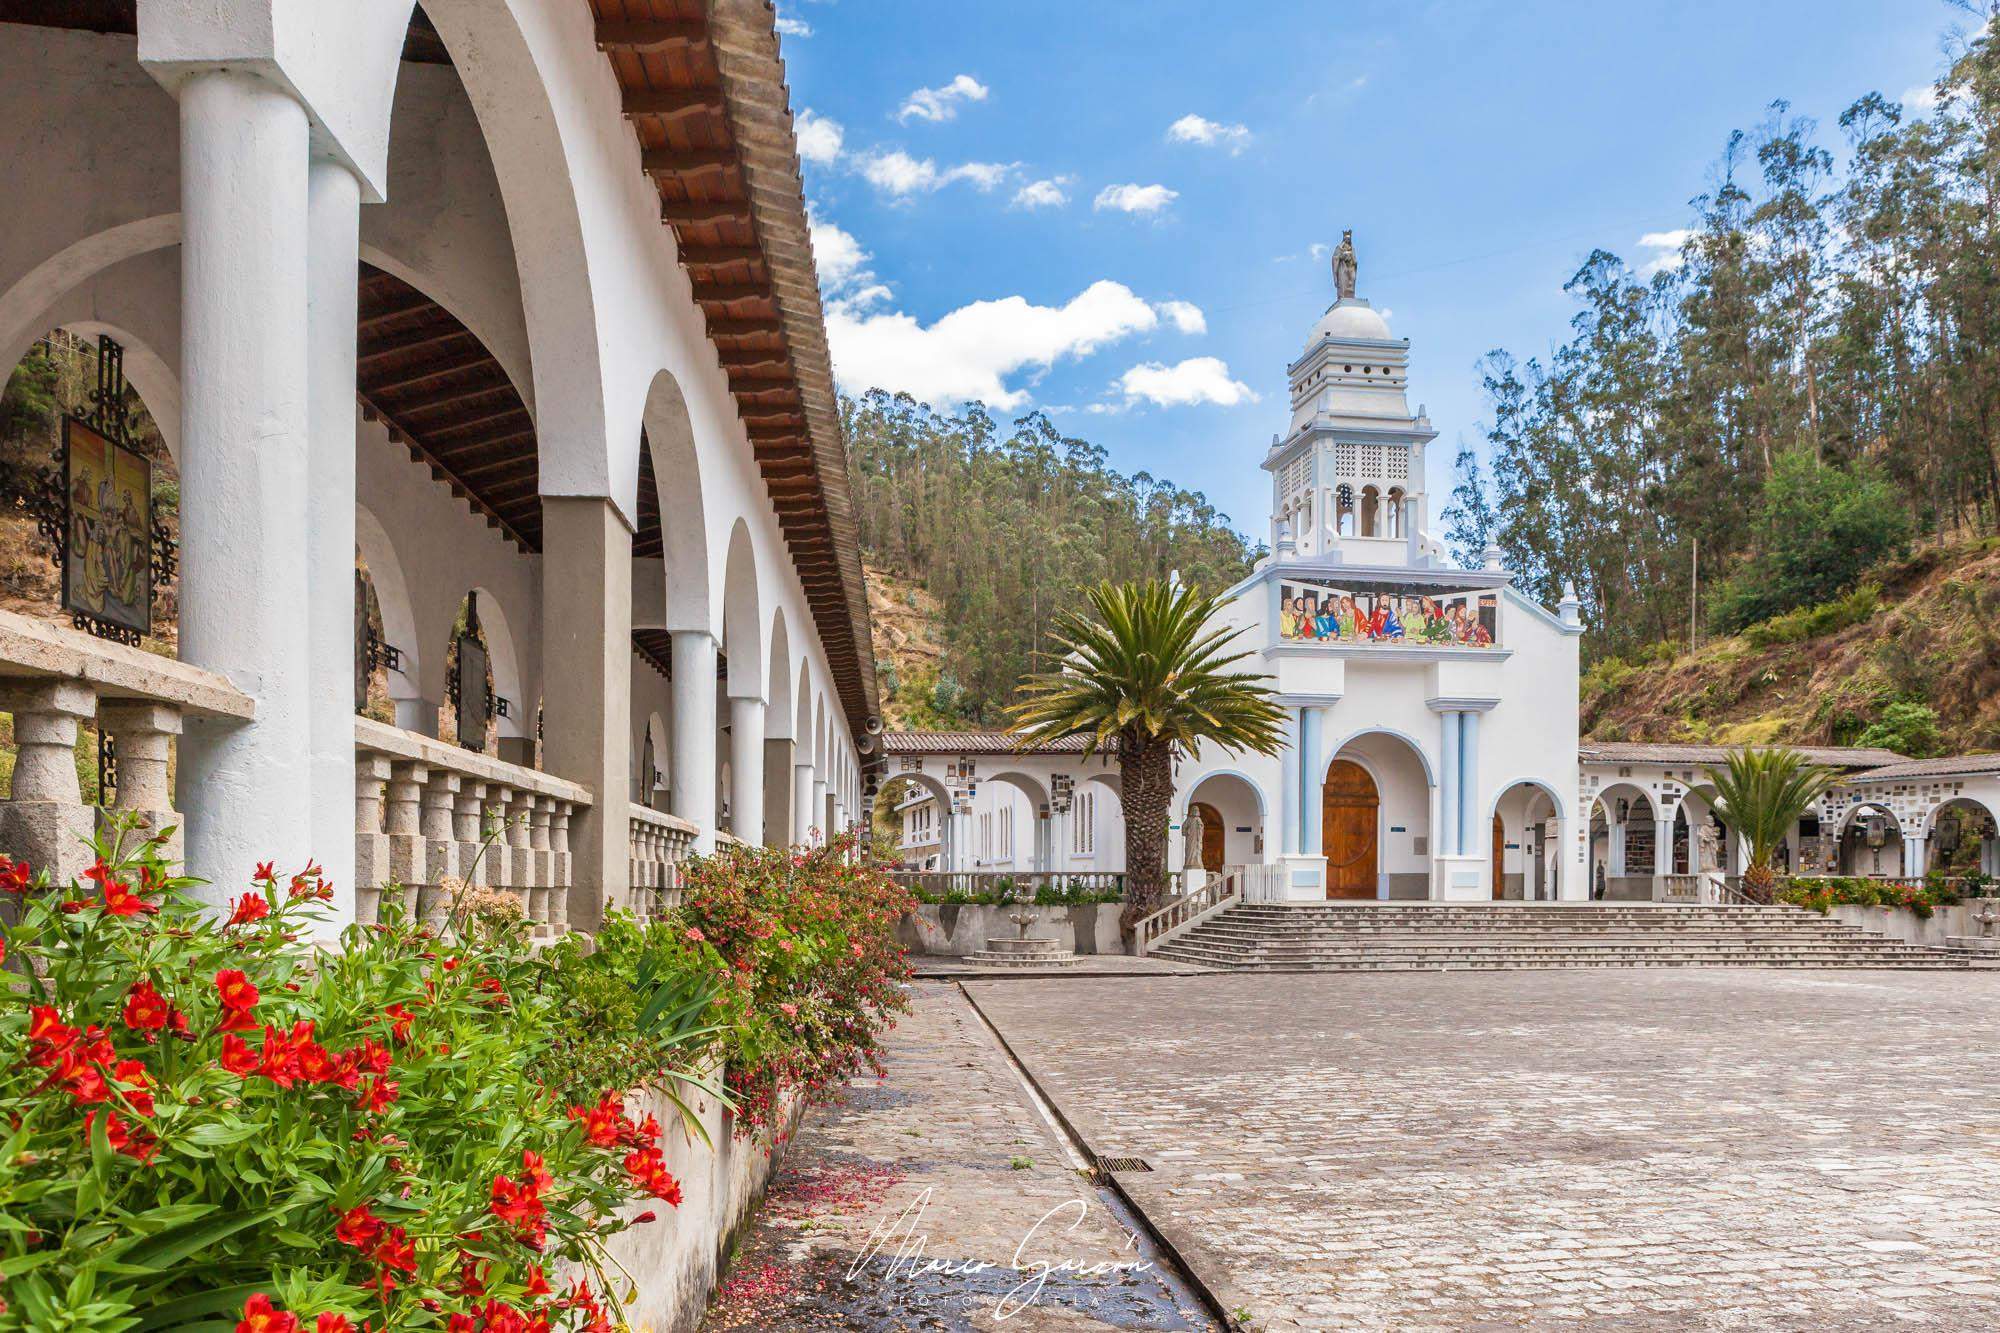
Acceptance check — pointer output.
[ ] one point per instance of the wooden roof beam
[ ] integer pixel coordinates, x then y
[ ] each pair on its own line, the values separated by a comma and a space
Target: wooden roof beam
683, 161
706, 289
744, 326
710, 255
430, 370
415, 341
645, 35
704, 212
673, 103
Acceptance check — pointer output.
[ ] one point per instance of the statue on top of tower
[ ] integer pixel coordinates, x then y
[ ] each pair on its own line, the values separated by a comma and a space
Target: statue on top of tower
1344, 266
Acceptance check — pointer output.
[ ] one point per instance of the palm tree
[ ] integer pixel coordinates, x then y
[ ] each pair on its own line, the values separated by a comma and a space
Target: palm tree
1761, 795
1144, 678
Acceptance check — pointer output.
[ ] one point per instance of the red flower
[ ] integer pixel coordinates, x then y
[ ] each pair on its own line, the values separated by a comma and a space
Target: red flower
135, 1085
316, 1066
538, 1286
358, 1227
238, 992
250, 907
604, 1124
648, 1170
377, 1095
395, 1251
260, 1316
282, 1055
121, 901
330, 1322
400, 1020
139, 1147
237, 1057
265, 872
371, 1057
14, 875
520, 1207
532, 1169
145, 1009
49, 1038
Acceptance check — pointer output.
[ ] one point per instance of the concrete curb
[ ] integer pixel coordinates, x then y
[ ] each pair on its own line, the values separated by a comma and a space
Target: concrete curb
1208, 1279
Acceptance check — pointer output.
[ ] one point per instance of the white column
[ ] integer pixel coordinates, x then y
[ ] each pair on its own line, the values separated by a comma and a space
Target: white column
333, 218
694, 732
1448, 785
1468, 784
243, 158
746, 769
802, 803
1312, 779
821, 817
1289, 769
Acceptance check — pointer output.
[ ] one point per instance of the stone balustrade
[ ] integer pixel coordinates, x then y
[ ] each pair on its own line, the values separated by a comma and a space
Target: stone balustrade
432, 819
660, 842
55, 681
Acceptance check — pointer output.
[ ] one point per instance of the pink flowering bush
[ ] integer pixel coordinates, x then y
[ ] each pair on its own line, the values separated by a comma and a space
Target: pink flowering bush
808, 937
208, 1123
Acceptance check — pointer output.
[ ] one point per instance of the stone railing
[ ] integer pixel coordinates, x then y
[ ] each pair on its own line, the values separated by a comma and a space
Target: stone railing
1183, 913
430, 817
660, 842
976, 883
55, 681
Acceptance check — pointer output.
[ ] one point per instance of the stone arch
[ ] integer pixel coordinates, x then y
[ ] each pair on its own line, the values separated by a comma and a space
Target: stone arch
1415, 746
1857, 855
1983, 857
887, 799
778, 715
529, 134
676, 468
1106, 834
802, 728
29, 302
653, 786
156, 383
1618, 869
1239, 803
742, 619
508, 681
399, 616
1538, 863
1377, 844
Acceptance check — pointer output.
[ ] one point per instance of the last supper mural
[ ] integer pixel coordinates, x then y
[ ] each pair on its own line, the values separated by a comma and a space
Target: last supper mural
1404, 614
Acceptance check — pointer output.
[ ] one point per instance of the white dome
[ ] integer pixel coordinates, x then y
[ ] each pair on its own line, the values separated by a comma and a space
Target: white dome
1351, 320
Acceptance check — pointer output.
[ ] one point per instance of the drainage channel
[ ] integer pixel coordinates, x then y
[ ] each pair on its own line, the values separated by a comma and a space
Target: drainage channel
1152, 1247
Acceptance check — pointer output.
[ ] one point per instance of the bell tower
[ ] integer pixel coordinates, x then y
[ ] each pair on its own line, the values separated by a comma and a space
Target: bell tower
1348, 476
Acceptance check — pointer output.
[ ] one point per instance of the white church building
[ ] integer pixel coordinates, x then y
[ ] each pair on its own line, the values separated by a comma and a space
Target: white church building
1432, 745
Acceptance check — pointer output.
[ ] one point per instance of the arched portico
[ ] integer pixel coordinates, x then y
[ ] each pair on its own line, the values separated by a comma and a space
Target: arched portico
1528, 831
1871, 841
1625, 850
1233, 812
1960, 836
1372, 821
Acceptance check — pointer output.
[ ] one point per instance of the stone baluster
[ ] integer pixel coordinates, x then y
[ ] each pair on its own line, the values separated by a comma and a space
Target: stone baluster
559, 868
407, 861
521, 869
143, 733
46, 822
468, 816
371, 845
440, 847
539, 856
493, 820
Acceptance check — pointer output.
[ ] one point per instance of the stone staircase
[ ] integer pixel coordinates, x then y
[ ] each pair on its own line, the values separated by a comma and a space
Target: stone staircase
1395, 937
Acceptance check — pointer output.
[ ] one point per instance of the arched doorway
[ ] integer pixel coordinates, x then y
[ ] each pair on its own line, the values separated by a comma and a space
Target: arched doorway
1350, 810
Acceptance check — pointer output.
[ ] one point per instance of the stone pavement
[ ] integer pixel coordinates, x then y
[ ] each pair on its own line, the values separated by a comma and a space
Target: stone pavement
946, 1160
1677, 1150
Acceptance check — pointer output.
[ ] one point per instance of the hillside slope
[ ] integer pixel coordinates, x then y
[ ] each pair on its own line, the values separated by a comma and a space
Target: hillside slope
1924, 630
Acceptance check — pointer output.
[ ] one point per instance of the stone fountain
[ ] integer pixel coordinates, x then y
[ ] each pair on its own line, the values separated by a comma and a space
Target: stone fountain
1020, 949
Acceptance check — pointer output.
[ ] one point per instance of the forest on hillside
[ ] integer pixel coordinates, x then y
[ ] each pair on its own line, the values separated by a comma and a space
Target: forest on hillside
1806, 385
1003, 527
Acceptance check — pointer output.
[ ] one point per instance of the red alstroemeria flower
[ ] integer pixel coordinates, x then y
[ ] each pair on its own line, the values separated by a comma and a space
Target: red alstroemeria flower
265, 872
15, 876
49, 1038
329, 1322
648, 1169
121, 901
377, 1095
533, 1171
237, 1057
238, 992
359, 1227
139, 1147
250, 907
396, 1251
399, 1021
371, 1057
146, 1010
520, 1207
135, 1085
538, 1286
260, 1316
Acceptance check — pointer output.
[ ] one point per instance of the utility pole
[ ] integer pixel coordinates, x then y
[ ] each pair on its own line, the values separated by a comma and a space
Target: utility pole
1694, 592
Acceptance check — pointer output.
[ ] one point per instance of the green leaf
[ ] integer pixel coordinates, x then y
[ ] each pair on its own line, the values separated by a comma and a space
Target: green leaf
176, 1244
184, 1314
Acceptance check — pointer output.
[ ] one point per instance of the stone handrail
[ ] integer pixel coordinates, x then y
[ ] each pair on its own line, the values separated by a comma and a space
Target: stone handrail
940, 882
423, 813
55, 680
1189, 909
659, 843
1677, 888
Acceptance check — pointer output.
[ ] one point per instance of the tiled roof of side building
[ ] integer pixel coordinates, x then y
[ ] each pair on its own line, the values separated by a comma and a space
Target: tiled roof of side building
1950, 766
1646, 752
971, 742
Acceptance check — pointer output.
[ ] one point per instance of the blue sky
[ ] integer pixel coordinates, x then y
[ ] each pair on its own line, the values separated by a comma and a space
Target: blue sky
1109, 209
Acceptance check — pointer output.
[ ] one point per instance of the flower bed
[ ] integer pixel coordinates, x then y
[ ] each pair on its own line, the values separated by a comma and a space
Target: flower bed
207, 1122
1823, 894
1079, 893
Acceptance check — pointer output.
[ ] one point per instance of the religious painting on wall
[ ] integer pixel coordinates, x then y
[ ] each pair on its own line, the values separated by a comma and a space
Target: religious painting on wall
107, 572
1406, 615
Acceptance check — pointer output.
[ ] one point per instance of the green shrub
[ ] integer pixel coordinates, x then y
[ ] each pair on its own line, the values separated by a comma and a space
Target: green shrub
1812, 622
1907, 727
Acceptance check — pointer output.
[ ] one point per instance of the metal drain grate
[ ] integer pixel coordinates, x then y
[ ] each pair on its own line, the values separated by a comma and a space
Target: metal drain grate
1123, 1164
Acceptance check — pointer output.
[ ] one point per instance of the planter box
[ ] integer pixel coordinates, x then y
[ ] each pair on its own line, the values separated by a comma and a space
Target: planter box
675, 1261
1895, 923
953, 930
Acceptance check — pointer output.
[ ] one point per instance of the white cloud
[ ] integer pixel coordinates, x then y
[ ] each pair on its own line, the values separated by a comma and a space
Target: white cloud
1043, 193
1199, 379
838, 256
895, 172
1665, 247
1134, 198
1319, 250
1200, 130
1186, 316
819, 138
1921, 100
794, 27
936, 104
970, 353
